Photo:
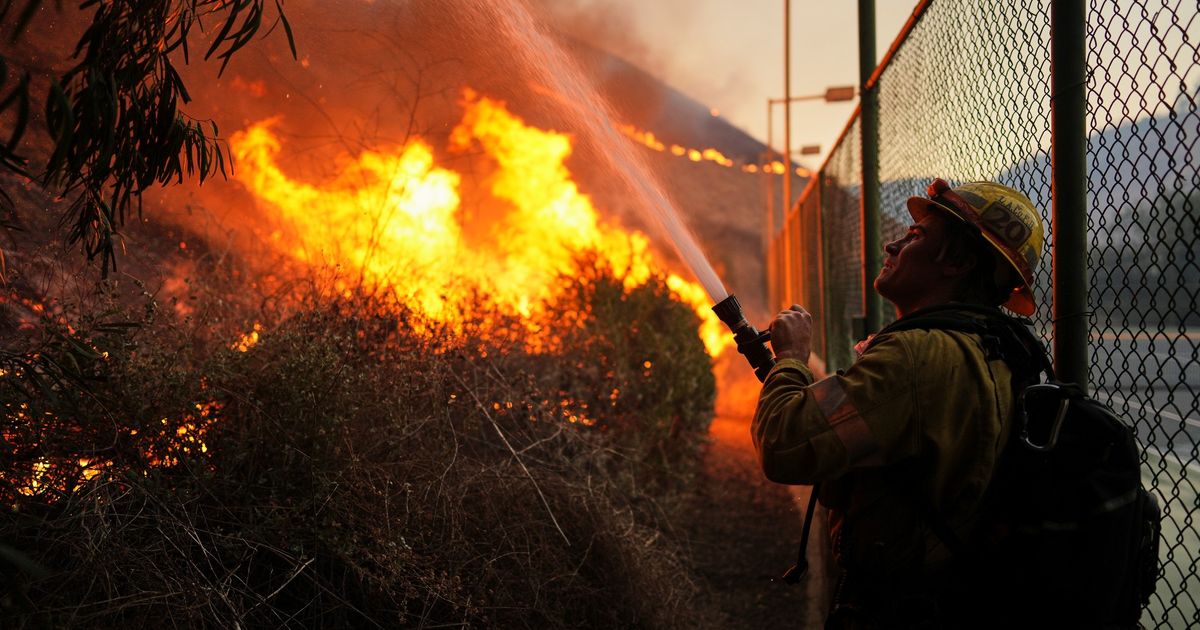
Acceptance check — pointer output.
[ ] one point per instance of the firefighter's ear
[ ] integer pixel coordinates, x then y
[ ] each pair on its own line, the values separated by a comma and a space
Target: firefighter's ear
959, 267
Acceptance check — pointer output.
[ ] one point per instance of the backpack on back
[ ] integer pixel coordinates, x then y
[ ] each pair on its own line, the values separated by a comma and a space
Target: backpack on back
1068, 534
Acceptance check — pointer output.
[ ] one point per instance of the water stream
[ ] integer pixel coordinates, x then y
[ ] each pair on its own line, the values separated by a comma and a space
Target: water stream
543, 58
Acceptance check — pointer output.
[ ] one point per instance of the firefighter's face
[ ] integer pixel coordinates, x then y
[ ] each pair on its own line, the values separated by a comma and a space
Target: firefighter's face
911, 273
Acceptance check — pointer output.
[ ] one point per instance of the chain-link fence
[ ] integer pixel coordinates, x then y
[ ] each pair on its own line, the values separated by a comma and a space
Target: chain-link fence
841, 196
1143, 202
808, 218
965, 94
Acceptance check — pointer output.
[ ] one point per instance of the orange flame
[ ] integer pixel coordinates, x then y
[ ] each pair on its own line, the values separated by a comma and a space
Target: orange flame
248, 340
649, 139
51, 476
395, 217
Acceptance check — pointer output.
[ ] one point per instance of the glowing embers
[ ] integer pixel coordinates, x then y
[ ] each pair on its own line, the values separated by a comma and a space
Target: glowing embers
392, 219
54, 475
184, 436
50, 475
248, 340
567, 410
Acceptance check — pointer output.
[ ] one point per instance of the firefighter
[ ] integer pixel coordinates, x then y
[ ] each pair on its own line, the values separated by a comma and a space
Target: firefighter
916, 425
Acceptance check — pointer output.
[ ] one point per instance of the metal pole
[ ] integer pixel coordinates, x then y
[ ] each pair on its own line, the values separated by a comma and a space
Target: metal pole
821, 262
826, 286
872, 253
787, 105
1068, 151
772, 272
786, 256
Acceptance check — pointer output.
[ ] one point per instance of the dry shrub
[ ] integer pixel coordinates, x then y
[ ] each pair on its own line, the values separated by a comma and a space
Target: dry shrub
349, 471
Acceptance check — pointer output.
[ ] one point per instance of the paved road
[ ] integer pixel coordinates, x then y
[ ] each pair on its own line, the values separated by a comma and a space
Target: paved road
1155, 383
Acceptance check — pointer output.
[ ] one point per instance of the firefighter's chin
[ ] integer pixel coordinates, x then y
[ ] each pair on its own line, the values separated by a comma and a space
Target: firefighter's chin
880, 282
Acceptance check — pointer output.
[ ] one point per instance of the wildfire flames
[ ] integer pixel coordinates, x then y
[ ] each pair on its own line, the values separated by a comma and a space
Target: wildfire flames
652, 141
395, 219
49, 474
54, 475
648, 139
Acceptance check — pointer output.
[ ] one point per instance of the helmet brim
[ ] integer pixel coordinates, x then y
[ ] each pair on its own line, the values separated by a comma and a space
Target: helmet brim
920, 207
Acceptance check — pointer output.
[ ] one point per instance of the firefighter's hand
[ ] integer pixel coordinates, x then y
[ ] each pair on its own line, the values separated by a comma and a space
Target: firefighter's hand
791, 333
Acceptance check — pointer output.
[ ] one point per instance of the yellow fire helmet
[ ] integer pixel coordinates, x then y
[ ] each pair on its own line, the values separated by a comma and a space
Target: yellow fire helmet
1005, 218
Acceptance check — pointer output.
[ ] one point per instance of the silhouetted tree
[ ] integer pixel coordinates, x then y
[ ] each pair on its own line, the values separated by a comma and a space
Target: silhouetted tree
114, 116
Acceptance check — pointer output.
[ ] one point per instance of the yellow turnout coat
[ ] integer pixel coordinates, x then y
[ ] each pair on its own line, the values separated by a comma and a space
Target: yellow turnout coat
914, 427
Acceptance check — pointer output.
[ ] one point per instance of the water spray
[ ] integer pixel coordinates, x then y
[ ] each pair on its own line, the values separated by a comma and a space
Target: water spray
545, 60
750, 342
540, 55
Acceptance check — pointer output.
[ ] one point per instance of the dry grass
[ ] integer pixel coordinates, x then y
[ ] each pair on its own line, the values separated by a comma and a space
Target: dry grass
357, 473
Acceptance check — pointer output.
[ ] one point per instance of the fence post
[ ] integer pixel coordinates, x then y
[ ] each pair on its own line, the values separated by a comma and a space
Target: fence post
869, 99
827, 313
1068, 150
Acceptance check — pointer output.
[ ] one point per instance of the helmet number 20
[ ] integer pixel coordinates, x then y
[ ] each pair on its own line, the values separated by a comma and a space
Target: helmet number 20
1003, 221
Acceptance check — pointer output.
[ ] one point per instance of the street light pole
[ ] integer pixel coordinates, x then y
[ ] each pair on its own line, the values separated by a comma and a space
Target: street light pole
778, 252
787, 106
831, 95
769, 235
785, 256
835, 94
869, 120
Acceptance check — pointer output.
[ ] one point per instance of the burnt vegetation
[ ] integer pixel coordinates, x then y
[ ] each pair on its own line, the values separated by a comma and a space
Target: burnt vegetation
303, 457
354, 465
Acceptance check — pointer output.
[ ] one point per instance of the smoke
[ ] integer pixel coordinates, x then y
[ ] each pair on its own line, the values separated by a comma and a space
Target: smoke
611, 25
604, 25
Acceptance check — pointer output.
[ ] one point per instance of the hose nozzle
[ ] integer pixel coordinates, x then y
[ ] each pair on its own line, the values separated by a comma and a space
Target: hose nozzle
750, 342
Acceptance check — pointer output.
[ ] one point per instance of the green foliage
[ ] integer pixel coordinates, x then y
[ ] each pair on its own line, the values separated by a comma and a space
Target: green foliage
358, 466
638, 359
114, 116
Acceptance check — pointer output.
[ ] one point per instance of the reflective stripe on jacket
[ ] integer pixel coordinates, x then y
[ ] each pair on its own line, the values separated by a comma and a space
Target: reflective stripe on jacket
914, 426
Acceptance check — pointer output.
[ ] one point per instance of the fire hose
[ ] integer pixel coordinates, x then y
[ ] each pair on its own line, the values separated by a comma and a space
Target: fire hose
752, 344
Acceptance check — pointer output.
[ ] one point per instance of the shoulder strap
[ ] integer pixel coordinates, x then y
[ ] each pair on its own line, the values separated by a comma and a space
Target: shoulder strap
1008, 336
